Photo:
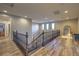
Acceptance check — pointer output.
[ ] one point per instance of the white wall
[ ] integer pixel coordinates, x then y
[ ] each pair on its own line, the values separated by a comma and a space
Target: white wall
60, 25
22, 26
72, 23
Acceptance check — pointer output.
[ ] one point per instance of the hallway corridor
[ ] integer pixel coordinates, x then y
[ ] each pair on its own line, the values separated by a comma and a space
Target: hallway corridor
8, 48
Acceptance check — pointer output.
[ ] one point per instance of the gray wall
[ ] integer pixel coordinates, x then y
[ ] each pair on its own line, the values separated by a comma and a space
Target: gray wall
22, 26
35, 28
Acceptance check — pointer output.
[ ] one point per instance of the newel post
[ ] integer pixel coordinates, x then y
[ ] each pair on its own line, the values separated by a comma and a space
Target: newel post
26, 43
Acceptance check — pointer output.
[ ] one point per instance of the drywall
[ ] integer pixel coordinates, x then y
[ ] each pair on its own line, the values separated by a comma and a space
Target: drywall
72, 23
22, 25
35, 28
59, 25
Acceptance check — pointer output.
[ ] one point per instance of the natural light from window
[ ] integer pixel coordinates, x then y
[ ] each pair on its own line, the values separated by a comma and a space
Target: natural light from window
47, 26
53, 26
42, 26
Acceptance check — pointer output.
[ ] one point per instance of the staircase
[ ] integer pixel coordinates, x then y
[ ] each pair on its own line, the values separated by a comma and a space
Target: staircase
38, 44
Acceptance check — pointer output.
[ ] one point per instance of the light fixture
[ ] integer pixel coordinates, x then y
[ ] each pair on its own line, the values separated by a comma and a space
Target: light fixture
5, 11
66, 11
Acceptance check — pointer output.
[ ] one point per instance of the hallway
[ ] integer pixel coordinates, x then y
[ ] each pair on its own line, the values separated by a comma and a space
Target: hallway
8, 48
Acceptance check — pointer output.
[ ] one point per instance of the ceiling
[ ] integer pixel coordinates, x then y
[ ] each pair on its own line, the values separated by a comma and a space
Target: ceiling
43, 12
4, 17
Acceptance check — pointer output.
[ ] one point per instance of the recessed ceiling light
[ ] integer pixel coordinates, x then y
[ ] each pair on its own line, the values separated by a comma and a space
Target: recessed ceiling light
66, 11
5, 11
25, 16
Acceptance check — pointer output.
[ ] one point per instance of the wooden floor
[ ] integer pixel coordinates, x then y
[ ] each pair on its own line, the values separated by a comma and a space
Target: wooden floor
59, 47
9, 48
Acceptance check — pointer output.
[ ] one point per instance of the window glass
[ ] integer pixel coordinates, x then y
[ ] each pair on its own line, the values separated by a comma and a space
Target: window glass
47, 26
42, 26
53, 26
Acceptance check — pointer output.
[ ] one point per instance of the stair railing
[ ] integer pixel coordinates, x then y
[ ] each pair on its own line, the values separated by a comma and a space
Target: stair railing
41, 40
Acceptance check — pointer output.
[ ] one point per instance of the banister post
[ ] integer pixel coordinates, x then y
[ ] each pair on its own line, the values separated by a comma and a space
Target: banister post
13, 35
52, 34
16, 34
43, 38
36, 43
58, 32
26, 43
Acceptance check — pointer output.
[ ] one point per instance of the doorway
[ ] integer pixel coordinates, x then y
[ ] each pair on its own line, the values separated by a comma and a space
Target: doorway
2, 29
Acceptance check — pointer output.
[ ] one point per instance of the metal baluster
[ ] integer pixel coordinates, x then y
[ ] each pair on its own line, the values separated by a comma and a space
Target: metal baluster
36, 43
16, 34
52, 34
43, 39
26, 43
13, 35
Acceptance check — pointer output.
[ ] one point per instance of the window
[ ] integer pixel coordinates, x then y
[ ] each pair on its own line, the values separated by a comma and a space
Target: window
47, 26
42, 26
53, 26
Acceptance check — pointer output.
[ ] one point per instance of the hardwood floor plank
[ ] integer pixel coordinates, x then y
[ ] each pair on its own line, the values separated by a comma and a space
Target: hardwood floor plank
8, 48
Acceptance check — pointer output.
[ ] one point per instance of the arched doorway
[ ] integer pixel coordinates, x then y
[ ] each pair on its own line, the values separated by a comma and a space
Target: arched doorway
67, 30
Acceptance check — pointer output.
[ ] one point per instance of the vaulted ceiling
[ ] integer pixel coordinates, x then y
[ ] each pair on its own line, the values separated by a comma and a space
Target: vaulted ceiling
43, 12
